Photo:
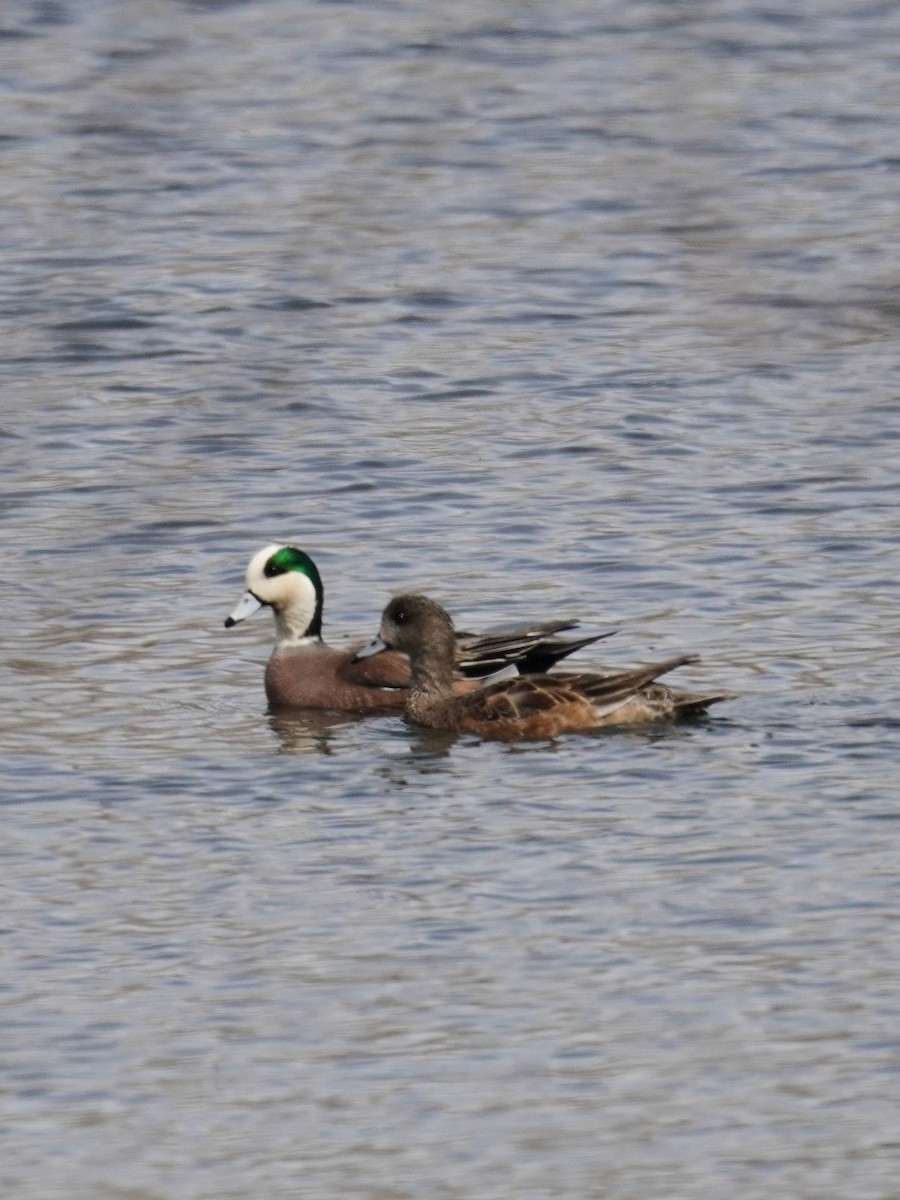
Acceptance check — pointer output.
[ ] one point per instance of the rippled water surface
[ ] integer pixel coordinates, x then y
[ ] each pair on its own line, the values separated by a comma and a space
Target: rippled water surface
581, 309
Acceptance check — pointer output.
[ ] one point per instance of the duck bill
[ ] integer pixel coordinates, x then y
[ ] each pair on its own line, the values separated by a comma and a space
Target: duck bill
376, 646
245, 607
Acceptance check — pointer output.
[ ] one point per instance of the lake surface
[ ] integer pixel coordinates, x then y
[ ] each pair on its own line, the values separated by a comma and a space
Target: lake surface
580, 309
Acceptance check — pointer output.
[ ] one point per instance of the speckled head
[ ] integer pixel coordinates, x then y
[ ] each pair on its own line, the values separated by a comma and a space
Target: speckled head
418, 626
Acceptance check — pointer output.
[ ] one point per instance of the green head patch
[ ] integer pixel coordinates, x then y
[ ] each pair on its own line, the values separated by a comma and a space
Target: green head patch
290, 558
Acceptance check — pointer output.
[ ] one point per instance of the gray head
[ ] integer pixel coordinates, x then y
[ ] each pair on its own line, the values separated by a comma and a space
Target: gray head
417, 626
411, 622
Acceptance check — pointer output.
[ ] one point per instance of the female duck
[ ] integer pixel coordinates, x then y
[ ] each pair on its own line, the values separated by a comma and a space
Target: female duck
304, 672
525, 706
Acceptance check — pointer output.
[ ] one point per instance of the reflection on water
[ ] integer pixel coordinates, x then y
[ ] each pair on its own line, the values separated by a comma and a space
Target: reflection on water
308, 731
585, 310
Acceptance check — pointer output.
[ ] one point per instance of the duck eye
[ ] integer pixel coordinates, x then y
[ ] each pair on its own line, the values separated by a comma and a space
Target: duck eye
400, 616
273, 567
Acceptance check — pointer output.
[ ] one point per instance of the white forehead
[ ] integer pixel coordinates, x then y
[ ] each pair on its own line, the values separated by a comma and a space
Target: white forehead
258, 561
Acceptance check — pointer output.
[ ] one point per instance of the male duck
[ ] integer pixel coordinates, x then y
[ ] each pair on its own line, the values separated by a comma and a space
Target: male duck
524, 706
304, 672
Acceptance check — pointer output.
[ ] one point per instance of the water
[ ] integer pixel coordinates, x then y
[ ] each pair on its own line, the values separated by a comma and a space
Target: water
580, 309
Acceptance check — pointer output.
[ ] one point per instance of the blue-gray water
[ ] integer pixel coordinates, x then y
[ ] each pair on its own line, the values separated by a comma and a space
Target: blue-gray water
586, 308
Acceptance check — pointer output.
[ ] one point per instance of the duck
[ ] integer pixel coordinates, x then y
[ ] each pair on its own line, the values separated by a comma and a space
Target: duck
524, 706
305, 672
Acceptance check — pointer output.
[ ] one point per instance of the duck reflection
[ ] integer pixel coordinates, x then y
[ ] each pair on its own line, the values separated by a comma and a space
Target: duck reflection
311, 730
